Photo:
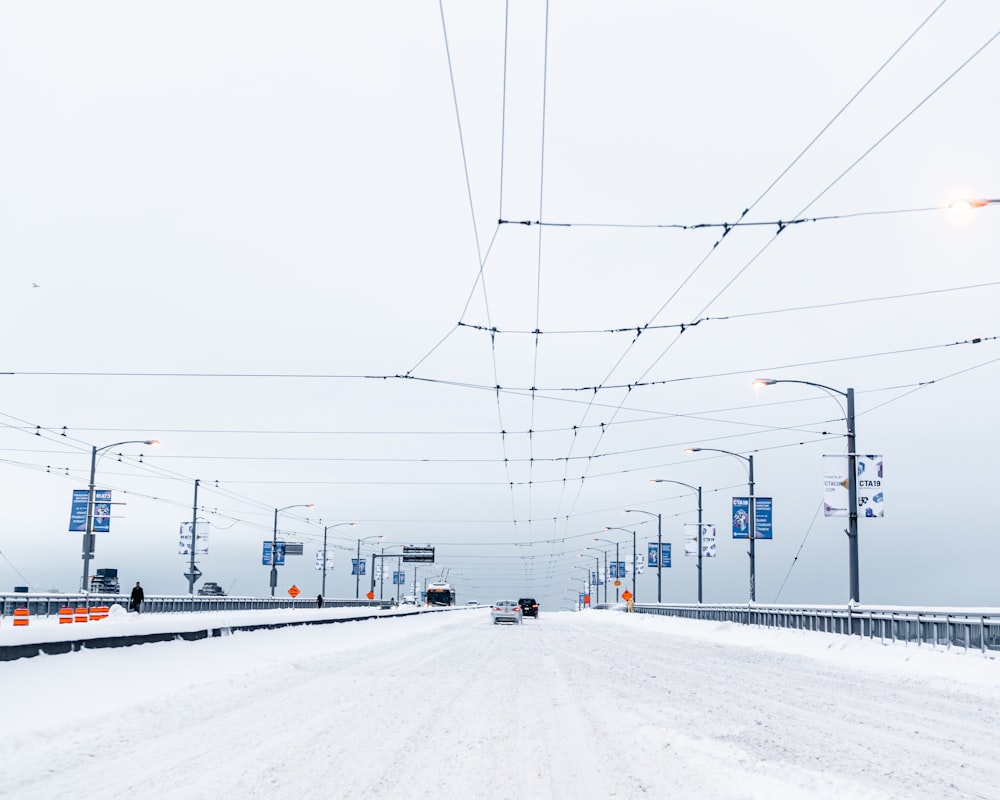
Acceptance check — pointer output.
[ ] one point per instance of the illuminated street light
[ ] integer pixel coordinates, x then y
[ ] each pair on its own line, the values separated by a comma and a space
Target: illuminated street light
88, 536
852, 471
752, 500
698, 490
274, 542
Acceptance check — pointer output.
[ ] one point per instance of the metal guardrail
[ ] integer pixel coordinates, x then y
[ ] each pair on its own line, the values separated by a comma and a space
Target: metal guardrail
45, 604
970, 628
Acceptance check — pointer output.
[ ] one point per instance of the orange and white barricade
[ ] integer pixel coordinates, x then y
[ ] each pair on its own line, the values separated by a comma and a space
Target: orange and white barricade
21, 617
98, 612
82, 615
65, 616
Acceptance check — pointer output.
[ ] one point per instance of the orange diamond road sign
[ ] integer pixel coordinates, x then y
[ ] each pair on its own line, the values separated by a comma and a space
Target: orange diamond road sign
626, 595
370, 595
294, 591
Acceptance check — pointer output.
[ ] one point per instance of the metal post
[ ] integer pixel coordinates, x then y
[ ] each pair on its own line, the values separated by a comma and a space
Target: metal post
659, 559
274, 554
699, 544
88, 536
381, 577
322, 590
753, 534
633, 567
852, 495
357, 573
194, 539
606, 577
618, 578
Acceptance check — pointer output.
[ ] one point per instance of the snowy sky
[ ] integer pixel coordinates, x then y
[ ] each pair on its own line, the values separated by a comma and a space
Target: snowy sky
267, 235
590, 705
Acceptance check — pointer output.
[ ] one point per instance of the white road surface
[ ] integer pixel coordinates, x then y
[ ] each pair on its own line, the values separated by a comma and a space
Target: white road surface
597, 704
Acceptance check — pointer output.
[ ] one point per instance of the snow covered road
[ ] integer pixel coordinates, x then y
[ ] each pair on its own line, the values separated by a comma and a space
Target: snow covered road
597, 704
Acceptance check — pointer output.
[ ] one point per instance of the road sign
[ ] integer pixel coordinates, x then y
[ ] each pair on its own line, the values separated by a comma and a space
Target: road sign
193, 576
370, 595
626, 595
294, 591
420, 555
618, 583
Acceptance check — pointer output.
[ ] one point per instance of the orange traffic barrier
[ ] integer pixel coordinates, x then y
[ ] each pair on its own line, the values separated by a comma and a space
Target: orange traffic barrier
98, 612
21, 617
65, 616
81, 615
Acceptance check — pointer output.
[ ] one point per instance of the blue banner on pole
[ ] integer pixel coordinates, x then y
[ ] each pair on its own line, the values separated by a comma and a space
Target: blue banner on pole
102, 511
265, 558
659, 554
398, 578
358, 566
762, 519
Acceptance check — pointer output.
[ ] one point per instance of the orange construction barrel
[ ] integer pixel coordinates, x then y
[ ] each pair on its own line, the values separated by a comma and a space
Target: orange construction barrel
81, 615
65, 616
21, 617
98, 612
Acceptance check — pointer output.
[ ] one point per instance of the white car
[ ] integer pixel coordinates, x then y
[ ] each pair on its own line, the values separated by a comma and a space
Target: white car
506, 611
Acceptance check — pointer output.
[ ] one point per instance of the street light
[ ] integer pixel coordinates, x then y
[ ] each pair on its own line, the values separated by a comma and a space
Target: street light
88, 536
325, 529
357, 567
597, 572
582, 591
599, 550
589, 582
619, 562
852, 470
752, 500
274, 542
698, 490
659, 552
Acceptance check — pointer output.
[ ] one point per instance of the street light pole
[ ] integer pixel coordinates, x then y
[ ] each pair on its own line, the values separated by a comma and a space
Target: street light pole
698, 490
88, 535
325, 529
852, 472
659, 551
357, 568
617, 557
597, 573
274, 542
605, 569
627, 530
752, 502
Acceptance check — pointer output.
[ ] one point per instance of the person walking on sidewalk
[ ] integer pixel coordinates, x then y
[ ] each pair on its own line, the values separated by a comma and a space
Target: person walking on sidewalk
135, 602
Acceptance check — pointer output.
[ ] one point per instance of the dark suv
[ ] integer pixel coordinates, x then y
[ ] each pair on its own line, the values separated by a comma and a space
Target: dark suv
529, 608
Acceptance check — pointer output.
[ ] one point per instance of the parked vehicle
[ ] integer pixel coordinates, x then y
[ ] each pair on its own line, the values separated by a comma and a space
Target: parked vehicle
528, 606
506, 611
211, 589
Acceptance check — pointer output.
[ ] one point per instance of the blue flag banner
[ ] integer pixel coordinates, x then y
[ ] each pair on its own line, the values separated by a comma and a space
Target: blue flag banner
762, 519
102, 511
358, 566
279, 560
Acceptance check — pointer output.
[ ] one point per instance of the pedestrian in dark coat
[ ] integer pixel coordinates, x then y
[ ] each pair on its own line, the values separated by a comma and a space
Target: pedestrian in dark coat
319, 601
137, 598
